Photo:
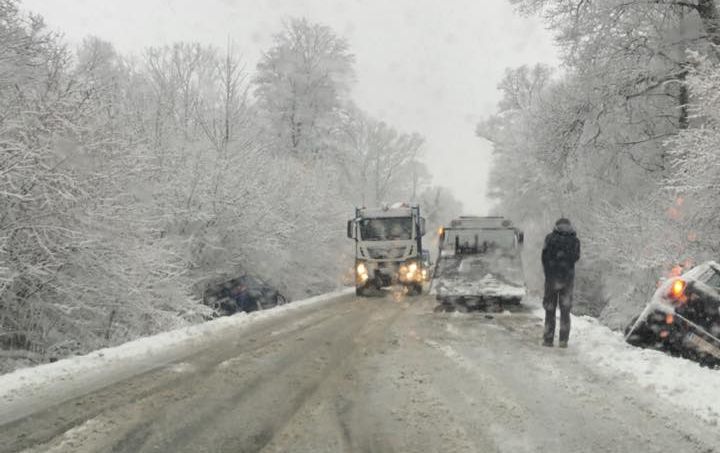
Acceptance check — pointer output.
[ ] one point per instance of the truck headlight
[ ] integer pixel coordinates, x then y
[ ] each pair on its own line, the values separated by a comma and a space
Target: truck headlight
362, 272
409, 271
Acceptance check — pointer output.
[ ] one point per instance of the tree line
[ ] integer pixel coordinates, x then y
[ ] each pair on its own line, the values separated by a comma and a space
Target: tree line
126, 181
621, 139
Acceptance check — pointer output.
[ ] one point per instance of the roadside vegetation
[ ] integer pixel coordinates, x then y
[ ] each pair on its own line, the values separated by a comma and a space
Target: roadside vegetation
126, 181
622, 139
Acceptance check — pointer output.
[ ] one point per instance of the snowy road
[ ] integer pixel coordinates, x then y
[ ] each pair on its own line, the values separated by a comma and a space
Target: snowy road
370, 375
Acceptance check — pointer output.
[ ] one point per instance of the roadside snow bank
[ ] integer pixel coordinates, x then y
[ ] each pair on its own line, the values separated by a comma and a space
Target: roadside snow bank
27, 390
680, 381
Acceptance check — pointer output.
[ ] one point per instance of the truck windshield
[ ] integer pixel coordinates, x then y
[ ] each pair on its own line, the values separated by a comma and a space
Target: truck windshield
386, 229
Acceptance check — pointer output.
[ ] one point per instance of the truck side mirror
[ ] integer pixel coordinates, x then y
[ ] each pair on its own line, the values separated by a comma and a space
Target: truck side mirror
422, 226
521, 237
351, 229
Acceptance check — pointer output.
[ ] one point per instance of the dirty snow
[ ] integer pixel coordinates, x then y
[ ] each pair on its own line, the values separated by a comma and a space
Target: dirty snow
681, 381
487, 286
489, 275
24, 390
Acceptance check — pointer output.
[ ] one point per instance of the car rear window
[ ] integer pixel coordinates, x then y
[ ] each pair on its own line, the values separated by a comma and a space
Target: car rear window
711, 278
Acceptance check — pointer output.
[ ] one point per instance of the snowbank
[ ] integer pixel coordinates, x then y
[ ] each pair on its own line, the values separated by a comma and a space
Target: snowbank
24, 391
680, 381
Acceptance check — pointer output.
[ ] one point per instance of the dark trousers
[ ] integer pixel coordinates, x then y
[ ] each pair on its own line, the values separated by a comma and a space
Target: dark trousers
557, 292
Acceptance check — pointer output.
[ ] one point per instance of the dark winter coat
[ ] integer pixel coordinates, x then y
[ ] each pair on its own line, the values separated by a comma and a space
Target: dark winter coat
560, 253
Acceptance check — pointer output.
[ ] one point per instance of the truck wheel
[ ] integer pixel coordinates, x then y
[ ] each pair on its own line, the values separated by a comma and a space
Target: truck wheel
414, 289
360, 291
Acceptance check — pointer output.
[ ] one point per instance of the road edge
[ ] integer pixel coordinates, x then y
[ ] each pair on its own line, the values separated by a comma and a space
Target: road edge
28, 390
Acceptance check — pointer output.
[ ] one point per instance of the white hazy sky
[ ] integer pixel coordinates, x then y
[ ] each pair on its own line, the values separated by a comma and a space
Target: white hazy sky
428, 66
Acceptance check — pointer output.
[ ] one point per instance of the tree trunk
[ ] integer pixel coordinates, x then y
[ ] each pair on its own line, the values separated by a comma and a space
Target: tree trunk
683, 99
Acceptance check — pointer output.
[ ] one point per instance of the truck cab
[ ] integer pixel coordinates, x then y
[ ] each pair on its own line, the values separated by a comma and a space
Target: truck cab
388, 247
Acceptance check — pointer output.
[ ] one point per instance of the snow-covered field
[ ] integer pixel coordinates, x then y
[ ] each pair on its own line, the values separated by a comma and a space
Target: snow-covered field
24, 390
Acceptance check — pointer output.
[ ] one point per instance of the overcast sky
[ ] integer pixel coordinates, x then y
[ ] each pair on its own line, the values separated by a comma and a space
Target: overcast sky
427, 66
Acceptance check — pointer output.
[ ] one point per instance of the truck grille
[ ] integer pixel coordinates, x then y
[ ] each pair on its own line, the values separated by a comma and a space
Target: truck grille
380, 253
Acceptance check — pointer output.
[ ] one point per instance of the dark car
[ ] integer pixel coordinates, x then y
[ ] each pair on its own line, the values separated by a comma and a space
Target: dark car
683, 316
245, 293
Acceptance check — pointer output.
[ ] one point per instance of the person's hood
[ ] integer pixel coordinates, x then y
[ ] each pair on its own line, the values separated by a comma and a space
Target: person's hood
565, 228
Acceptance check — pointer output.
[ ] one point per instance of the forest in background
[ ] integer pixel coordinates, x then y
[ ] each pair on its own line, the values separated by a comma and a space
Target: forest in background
622, 139
126, 181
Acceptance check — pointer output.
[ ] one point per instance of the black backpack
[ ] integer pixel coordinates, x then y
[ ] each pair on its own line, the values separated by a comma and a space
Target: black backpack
560, 253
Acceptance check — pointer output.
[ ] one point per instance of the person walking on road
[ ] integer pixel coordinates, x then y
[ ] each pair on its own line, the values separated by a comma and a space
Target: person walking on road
559, 255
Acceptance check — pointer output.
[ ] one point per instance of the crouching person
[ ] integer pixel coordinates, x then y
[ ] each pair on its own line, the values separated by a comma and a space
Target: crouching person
559, 255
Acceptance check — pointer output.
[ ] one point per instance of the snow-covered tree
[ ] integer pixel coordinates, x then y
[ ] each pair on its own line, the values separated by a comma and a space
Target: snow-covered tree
595, 142
695, 175
301, 83
127, 184
382, 162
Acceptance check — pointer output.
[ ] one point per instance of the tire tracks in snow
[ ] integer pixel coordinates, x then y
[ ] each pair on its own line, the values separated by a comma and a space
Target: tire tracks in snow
158, 385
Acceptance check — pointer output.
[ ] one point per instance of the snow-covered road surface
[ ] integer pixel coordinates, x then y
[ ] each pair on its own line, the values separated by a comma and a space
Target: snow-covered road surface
378, 374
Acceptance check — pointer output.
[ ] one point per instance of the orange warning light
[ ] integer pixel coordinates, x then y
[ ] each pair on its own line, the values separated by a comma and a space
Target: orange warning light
677, 290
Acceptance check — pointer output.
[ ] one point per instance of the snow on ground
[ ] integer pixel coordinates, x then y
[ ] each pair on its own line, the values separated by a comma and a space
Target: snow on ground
488, 285
681, 381
24, 390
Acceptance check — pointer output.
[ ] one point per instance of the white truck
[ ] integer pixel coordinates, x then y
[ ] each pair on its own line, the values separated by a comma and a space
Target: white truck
388, 247
479, 264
